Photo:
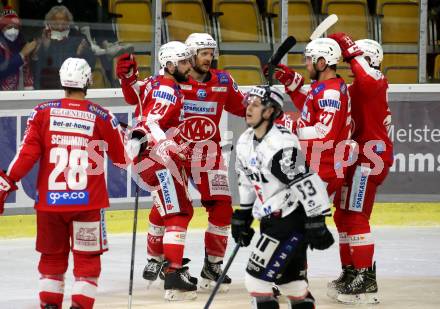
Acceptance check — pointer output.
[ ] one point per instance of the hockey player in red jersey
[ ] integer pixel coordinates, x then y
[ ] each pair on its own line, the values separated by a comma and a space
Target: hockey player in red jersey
67, 137
372, 119
207, 93
159, 108
324, 124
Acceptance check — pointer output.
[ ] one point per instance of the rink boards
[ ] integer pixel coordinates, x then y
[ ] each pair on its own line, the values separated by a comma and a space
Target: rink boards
415, 132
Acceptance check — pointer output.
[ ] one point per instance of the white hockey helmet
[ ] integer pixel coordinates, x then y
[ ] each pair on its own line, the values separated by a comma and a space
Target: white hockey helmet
75, 73
323, 47
196, 41
371, 49
173, 52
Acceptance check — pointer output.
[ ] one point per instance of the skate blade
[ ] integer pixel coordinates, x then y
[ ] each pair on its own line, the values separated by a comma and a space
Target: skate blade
332, 293
151, 284
359, 299
207, 286
176, 295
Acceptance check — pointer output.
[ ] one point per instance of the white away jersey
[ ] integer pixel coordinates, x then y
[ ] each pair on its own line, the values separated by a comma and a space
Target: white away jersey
266, 168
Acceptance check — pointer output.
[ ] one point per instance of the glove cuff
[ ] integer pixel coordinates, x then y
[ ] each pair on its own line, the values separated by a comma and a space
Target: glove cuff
297, 82
129, 79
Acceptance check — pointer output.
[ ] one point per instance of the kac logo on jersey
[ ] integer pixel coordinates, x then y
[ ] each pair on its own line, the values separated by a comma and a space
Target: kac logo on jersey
201, 94
197, 129
56, 198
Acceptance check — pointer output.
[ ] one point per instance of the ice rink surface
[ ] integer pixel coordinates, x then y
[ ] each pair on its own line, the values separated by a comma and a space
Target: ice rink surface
408, 271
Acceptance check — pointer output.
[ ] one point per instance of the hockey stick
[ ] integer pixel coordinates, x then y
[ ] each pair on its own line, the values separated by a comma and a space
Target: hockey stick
133, 240
222, 277
282, 50
324, 26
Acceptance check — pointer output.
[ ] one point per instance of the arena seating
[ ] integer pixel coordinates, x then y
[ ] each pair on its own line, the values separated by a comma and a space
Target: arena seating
246, 69
183, 17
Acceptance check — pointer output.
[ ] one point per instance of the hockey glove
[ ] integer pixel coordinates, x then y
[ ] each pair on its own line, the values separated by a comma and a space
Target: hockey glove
289, 78
317, 233
349, 48
241, 227
6, 187
126, 69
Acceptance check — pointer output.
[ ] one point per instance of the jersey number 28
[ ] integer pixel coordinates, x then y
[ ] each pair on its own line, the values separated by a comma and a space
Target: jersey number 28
73, 165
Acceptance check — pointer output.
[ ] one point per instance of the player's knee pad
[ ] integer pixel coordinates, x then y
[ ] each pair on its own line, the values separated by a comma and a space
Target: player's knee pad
154, 217
257, 286
294, 289
219, 212
53, 264
181, 221
86, 265
264, 302
356, 220
338, 217
307, 302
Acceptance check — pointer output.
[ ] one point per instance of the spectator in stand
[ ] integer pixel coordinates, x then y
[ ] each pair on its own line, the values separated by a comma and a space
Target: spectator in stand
58, 42
15, 73
93, 19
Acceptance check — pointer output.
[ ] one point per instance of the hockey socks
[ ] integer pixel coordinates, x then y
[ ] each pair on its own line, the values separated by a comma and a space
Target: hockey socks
84, 292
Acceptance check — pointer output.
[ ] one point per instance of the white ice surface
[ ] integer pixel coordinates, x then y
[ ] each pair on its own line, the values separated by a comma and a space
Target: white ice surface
400, 253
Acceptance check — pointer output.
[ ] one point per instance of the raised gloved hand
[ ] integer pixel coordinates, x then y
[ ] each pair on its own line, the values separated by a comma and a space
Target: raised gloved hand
126, 68
317, 233
241, 227
349, 47
291, 79
6, 187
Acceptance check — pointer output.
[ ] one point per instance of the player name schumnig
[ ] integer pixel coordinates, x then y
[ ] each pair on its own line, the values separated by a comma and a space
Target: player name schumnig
69, 140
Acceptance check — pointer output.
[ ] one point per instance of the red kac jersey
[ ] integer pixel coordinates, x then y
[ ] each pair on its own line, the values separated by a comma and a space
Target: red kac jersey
160, 103
370, 112
68, 137
204, 103
324, 125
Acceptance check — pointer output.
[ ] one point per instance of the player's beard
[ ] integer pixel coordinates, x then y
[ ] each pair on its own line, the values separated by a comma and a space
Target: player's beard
181, 77
314, 75
199, 69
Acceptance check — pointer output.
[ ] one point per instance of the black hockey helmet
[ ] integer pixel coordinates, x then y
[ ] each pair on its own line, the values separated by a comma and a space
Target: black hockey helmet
270, 97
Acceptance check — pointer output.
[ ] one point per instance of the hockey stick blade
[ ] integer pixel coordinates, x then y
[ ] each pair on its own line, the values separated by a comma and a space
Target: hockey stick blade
275, 59
284, 48
324, 26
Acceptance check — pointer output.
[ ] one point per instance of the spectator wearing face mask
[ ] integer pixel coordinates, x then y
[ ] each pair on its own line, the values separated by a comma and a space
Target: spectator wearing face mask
15, 70
59, 41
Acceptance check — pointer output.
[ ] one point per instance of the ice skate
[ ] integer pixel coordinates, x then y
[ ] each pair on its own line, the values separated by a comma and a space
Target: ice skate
178, 286
347, 275
185, 261
362, 290
210, 273
152, 270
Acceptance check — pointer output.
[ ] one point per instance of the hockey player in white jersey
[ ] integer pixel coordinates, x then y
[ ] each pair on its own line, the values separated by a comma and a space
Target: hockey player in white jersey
277, 187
